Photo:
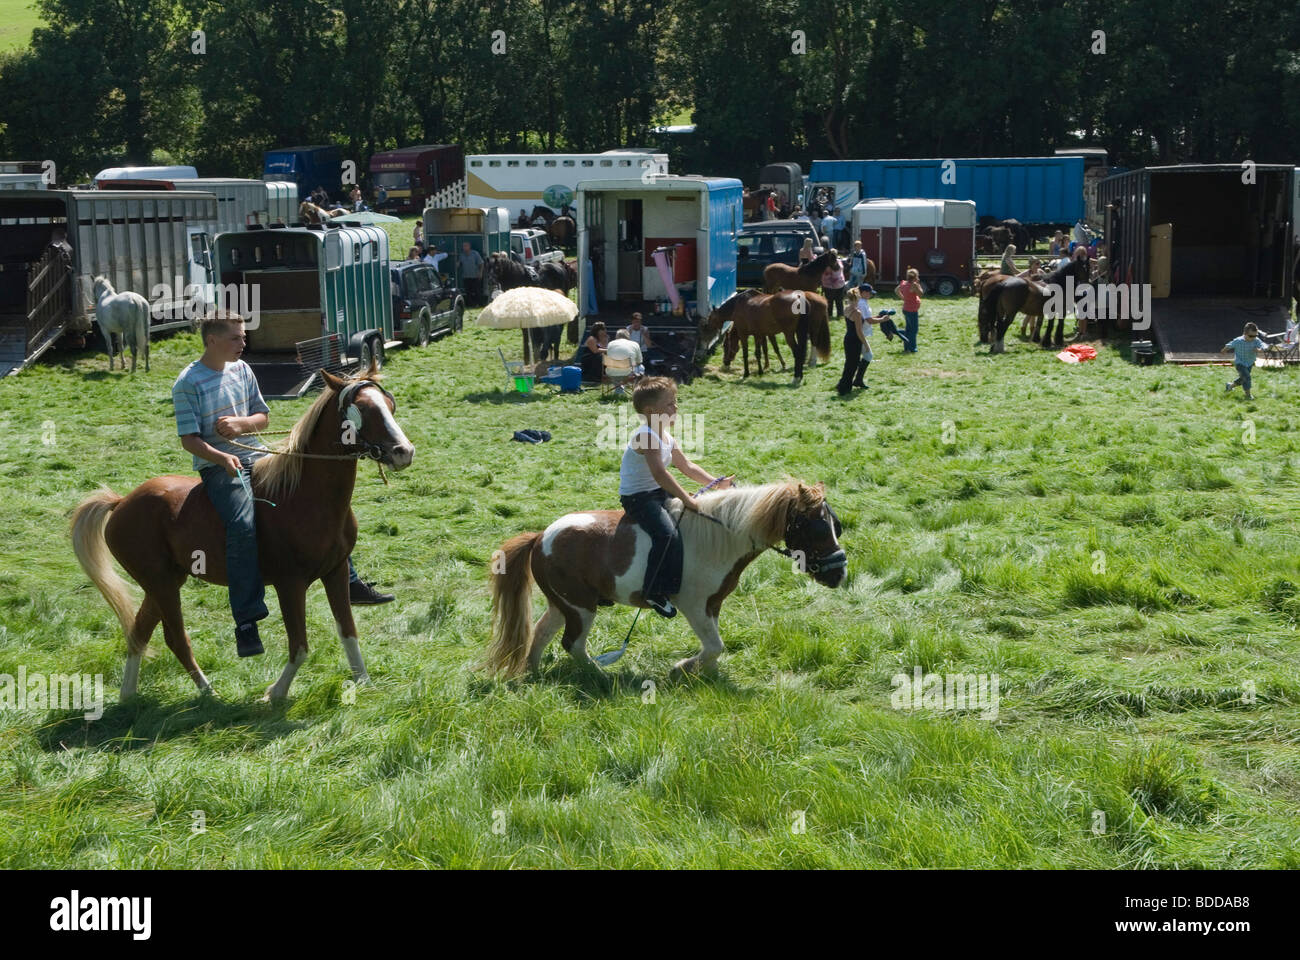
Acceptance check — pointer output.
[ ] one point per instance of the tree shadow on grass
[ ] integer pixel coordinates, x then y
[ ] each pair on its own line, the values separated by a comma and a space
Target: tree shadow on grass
146, 721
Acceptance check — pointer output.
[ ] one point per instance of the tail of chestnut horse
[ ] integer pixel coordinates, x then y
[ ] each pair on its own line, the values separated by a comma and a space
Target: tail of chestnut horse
820, 335
512, 606
88, 542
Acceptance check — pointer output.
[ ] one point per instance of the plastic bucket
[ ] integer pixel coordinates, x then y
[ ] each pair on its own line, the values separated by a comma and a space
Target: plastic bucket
523, 384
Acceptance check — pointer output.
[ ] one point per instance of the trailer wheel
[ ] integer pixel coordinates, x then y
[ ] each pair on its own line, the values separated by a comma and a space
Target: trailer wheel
372, 349
946, 286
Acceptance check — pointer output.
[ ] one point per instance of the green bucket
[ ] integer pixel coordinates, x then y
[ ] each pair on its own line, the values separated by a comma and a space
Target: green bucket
523, 384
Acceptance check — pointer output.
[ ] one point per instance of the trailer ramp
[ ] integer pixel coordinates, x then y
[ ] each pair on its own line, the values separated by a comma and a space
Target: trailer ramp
1194, 329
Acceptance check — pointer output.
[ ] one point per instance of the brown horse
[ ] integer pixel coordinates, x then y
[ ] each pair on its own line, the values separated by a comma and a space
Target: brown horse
1001, 299
161, 530
782, 276
598, 558
798, 315
562, 231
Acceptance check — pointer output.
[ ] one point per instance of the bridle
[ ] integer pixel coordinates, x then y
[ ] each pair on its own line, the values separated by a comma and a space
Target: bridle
837, 559
351, 413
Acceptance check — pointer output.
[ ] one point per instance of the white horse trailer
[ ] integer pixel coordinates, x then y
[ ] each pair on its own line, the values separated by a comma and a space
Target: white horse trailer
246, 203
155, 243
145, 173
527, 180
21, 181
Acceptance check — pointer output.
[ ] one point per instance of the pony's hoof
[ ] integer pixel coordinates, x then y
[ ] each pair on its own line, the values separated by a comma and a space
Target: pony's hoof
797, 382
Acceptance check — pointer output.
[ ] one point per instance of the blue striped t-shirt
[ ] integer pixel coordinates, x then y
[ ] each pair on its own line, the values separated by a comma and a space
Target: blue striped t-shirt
201, 396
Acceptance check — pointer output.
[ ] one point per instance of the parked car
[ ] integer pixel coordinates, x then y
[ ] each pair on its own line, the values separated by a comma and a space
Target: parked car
424, 302
770, 241
533, 247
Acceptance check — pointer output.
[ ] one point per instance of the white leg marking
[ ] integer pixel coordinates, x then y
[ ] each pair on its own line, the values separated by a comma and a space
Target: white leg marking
280, 689
130, 677
201, 681
352, 649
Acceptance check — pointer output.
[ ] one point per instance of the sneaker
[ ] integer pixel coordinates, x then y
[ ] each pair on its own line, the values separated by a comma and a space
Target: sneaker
661, 606
247, 640
363, 593
1228, 388
1249, 397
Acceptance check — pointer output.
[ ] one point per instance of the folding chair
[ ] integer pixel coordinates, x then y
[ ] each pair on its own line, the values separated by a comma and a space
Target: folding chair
618, 372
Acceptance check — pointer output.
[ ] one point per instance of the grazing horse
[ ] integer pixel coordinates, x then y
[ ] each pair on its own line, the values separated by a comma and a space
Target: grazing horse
1001, 300
305, 533
127, 315
782, 276
797, 314
598, 558
562, 231
557, 275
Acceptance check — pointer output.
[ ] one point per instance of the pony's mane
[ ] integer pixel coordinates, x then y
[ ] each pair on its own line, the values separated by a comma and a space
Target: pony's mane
757, 514
818, 264
279, 476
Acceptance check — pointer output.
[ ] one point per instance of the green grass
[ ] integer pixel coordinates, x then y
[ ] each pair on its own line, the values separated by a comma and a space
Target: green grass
1098, 536
18, 18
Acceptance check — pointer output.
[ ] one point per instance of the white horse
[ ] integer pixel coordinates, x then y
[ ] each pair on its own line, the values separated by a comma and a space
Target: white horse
127, 315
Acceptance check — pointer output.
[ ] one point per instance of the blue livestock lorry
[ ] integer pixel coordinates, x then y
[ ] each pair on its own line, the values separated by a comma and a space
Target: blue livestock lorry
1041, 192
309, 167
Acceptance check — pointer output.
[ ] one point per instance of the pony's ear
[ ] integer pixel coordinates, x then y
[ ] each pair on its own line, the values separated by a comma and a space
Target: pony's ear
332, 381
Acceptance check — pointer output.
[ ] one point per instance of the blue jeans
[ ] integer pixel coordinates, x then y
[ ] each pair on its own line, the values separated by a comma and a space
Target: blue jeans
247, 595
663, 571
913, 318
1243, 376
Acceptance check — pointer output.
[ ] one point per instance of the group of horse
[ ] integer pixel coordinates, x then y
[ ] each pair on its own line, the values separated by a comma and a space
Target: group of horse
1002, 296
788, 305
307, 531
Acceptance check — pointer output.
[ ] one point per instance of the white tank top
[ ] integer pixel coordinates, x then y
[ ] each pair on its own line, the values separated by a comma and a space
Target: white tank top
634, 474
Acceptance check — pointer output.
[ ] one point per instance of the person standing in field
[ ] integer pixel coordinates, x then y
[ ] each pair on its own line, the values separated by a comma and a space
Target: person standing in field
910, 293
833, 286
857, 265
471, 270
1009, 260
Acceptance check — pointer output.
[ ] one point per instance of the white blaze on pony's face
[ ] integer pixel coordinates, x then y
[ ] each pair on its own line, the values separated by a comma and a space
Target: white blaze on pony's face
366, 411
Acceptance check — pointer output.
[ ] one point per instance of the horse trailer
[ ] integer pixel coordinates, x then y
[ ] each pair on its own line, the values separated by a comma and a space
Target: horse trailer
412, 178
624, 223
1041, 191
308, 167
240, 203
937, 237
156, 244
528, 180
1211, 242
486, 230
313, 297
104, 177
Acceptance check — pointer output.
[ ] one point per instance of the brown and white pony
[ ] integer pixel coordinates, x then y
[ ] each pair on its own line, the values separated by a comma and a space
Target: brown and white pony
598, 558
155, 531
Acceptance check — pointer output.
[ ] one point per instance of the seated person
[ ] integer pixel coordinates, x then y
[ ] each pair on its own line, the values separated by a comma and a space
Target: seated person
623, 348
308, 212
413, 253
591, 355
354, 198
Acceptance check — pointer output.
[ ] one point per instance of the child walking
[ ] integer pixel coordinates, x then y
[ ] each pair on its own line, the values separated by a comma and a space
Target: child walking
1243, 349
644, 485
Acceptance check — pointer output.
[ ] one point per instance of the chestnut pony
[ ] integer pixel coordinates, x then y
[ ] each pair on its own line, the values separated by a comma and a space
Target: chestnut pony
598, 558
798, 315
156, 532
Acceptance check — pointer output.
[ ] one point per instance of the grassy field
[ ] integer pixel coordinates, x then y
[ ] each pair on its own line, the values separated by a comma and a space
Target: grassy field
1118, 544
17, 20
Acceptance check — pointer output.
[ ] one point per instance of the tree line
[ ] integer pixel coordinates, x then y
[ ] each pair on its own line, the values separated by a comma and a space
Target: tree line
214, 84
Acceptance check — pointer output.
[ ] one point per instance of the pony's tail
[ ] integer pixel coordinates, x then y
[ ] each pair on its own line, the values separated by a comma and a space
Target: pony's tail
821, 336
91, 548
512, 606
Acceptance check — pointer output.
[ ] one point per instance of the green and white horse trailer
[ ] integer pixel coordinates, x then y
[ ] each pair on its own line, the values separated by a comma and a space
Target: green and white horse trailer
312, 297
485, 229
